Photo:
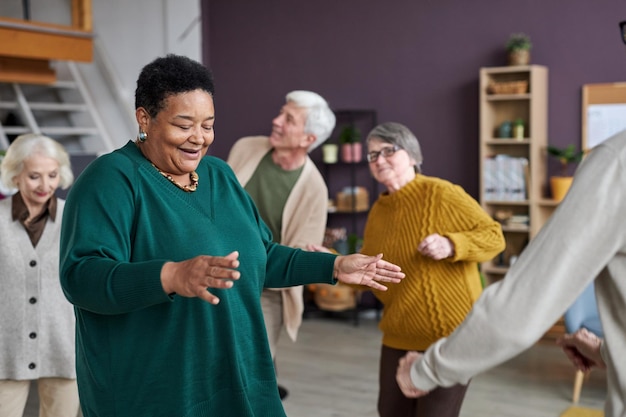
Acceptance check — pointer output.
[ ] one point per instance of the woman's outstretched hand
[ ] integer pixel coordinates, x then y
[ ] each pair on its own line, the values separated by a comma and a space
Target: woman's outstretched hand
193, 278
366, 270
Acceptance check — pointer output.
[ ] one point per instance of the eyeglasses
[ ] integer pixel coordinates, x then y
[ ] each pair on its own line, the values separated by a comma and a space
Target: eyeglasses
386, 152
622, 27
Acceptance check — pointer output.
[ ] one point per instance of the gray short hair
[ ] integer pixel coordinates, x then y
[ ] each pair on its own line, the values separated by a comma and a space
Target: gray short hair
398, 134
27, 145
320, 120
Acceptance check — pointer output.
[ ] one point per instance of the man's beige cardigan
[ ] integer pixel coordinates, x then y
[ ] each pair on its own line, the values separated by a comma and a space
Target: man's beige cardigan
304, 215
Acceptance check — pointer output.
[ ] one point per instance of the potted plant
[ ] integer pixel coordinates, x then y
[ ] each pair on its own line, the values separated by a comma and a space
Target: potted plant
518, 47
568, 158
351, 147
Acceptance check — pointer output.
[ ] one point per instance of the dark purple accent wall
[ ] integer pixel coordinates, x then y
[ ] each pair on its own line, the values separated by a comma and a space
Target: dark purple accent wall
414, 61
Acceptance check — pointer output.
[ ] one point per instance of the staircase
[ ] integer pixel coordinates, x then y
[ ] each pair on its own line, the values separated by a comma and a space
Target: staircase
63, 110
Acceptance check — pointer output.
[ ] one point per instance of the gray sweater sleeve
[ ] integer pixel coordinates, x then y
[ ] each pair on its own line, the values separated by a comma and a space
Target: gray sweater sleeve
584, 236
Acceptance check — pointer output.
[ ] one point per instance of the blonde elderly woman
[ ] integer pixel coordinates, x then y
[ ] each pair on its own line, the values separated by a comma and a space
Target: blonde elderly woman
37, 325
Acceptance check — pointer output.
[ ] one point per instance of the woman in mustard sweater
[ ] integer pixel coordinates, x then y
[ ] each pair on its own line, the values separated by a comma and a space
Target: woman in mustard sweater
437, 233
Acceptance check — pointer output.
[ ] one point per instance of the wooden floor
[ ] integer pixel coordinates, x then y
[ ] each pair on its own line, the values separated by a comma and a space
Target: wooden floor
332, 371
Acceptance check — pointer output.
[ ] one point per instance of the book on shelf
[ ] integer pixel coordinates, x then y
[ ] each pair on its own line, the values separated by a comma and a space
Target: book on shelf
505, 178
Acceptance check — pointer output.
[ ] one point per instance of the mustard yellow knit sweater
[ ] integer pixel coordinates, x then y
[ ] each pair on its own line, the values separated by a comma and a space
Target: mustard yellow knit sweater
435, 296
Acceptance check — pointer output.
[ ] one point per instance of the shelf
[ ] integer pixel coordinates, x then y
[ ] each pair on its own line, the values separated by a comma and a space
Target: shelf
507, 142
516, 229
341, 175
507, 203
507, 97
496, 270
335, 211
508, 165
548, 202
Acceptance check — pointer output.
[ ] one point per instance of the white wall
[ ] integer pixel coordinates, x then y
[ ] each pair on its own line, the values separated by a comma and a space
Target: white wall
128, 35
133, 33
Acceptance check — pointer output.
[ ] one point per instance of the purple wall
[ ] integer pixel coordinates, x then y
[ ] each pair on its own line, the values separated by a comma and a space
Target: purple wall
415, 62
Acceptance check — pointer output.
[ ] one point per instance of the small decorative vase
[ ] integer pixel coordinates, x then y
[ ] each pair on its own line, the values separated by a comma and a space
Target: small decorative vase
357, 152
504, 131
346, 152
352, 152
329, 153
559, 187
519, 57
518, 130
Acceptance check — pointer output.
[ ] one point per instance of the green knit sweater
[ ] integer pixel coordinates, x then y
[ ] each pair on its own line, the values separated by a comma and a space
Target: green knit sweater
141, 352
435, 296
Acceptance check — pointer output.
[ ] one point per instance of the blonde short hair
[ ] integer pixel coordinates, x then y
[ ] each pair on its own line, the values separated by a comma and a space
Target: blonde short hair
27, 145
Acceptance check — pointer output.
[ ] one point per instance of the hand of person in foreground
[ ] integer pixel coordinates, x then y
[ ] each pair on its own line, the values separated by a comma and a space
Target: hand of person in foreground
366, 270
436, 247
403, 376
583, 349
193, 277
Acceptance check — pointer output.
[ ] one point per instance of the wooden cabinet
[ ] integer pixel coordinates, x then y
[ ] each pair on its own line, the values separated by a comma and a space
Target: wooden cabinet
513, 172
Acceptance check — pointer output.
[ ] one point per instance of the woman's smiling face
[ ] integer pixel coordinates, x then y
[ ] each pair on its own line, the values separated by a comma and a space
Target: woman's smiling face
180, 134
393, 171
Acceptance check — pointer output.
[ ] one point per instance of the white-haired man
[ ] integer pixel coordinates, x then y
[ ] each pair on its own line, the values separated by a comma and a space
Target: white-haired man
290, 193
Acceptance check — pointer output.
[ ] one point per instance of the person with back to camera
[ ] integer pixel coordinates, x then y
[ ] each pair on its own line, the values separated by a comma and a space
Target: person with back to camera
36, 321
289, 192
164, 256
437, 233
584, 241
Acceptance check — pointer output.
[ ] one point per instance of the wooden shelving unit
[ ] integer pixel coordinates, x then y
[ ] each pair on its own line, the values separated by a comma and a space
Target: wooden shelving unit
531, 106
350, 174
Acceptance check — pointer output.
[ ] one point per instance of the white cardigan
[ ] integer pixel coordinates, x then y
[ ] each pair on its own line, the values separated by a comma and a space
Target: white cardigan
304, 215
36, 320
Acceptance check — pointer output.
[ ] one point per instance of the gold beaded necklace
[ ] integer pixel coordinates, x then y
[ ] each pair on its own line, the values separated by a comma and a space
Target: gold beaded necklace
193, 178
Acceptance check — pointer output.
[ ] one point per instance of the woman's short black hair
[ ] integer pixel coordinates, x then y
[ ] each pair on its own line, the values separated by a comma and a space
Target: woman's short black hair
167, 76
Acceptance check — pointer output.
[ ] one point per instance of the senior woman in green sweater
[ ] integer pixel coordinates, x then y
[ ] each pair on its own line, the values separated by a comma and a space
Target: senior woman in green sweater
437, 233
164, 256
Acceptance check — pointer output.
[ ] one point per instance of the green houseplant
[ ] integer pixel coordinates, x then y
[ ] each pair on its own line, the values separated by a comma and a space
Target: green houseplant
518, 47
568, 158
349, 134
351, 147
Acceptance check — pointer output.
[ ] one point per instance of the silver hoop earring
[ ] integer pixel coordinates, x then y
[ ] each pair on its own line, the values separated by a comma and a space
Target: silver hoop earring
142, 136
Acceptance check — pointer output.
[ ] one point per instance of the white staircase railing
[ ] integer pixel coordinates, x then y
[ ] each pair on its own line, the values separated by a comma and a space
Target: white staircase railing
65, 111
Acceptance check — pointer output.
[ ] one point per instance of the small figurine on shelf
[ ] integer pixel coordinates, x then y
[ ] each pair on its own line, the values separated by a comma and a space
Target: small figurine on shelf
518, 129
504, 131
351, 147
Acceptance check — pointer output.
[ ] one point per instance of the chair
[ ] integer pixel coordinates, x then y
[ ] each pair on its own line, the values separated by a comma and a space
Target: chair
583, 314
